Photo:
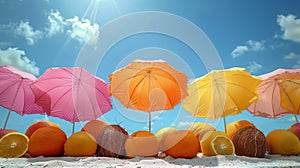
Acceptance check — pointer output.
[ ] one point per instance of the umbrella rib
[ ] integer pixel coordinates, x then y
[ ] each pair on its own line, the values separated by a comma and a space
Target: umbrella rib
226, 93
239, 86
131, 77
15, 83
290, 101
134, 89
60, 98
95, 116
155, 79
272, 98
103, 95
45, 92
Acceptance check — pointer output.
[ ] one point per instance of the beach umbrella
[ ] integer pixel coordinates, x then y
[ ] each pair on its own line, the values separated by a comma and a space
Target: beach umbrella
290, 94
16, 93
72, 94
269, 103
148, 86
221, 93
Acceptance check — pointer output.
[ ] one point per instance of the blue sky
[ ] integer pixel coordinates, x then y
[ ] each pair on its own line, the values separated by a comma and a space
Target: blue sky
260, 36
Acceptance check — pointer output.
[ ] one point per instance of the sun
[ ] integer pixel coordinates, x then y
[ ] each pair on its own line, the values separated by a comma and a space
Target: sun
96, 6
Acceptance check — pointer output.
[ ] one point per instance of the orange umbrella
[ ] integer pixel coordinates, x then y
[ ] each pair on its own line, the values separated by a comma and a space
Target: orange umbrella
148, 86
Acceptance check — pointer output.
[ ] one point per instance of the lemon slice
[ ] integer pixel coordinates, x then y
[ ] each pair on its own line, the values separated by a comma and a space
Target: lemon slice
222, 145
13, 144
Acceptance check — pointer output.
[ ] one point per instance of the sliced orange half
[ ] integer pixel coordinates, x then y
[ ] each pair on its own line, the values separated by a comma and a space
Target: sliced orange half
222, 145
13, 144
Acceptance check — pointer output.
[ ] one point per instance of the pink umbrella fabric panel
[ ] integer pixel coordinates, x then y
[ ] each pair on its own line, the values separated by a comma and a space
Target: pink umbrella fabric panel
72, 94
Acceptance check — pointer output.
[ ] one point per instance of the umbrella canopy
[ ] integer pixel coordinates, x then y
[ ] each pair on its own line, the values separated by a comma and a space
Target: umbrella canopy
72, 94
290, 93
221, 93
16, 93
269, 102
148, 86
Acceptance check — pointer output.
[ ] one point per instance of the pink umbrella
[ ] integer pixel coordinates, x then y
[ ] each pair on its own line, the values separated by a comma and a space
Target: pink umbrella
75, 94
269, 102
16, 93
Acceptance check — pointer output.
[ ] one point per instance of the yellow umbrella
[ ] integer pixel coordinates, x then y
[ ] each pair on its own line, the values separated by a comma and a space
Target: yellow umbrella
221, 93
290, 94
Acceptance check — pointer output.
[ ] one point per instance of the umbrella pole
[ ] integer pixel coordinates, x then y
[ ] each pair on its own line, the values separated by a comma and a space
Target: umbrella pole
296, 118
73, 128
6, 119
149, 122
225, 124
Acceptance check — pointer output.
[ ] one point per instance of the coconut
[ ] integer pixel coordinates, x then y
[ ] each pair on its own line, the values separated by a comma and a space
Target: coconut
249, 141
111, 141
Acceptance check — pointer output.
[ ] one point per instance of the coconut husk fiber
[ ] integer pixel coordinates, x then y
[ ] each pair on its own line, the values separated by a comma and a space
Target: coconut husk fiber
251, 142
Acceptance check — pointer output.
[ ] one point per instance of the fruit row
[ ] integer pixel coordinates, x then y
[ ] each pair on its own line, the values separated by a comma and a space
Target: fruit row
98, 138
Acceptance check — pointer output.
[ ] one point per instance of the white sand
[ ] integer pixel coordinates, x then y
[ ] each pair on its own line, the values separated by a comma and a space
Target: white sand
216, 161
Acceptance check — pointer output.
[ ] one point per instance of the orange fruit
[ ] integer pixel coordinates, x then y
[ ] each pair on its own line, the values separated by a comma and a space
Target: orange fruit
13, 144
141, 143
94, 127
216, 143
162, 134
47, 141
80, 144
181, 144
283, 142
37, 125
199, 129
234, 126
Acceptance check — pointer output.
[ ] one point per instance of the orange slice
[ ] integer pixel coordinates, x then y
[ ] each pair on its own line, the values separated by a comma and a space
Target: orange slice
13, 144
216, 143
222, 145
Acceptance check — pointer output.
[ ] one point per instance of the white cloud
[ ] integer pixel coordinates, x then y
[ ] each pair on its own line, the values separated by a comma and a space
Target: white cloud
291, 119
249, 46
239, 50
254, 67
17, 58
294, 57
83, 30
256, 45
56, 23
183, 124
290, 27
25, 30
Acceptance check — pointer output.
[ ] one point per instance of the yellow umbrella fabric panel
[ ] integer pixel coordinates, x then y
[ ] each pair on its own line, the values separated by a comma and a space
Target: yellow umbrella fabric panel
221, 93
290, 93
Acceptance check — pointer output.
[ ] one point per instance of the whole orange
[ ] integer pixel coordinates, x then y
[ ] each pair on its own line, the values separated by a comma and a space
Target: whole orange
162, 134
38, 125
200, 129
234, 126
283, 142
47, 141
141, 143
94, 127
80, 144
181, 144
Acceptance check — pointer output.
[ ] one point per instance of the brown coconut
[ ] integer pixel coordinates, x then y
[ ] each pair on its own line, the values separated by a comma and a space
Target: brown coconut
249, 141
111, 141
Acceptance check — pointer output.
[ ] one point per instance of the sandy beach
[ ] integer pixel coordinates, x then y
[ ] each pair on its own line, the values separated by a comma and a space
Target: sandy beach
138, 162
